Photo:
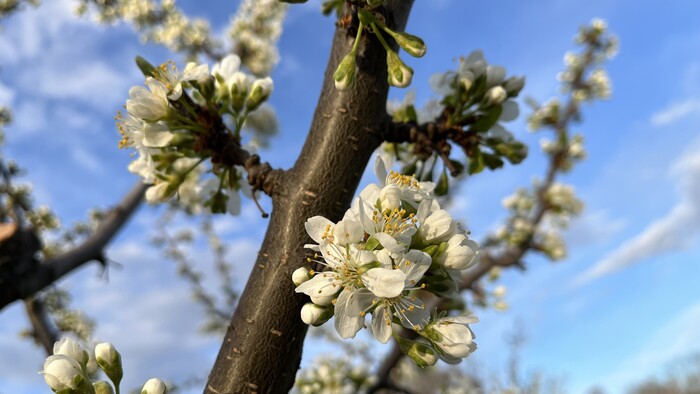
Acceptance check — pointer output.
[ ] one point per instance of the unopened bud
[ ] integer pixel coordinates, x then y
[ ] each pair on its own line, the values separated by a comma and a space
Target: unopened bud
514, 85
109, 359
239, 90
345, 73
103, 387
259, 92
154, 386
413, 45
315, 315
301, 275
400, 75
496, 95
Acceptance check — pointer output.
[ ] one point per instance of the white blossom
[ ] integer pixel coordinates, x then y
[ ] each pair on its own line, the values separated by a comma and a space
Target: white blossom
452, 335
62, 372
154, 386
72, 349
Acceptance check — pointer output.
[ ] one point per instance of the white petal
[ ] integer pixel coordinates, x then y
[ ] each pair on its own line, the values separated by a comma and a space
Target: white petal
419, 263
389, 242
510, 111
366, 221
385, 283
348, 317
156, 135
322, 285
380, 170
316, 226
417, 317
381, 324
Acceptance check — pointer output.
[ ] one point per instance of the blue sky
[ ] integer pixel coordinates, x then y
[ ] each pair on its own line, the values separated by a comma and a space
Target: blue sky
624, 302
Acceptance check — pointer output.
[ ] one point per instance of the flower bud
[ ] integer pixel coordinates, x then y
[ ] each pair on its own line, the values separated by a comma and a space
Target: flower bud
160, 192
466, 79
109, 359
154, 386
514, 85
70, 348
259, 92
452, 335
499, 291
239, 90
413, 45
102, 387
399, 74
344, 75
315, 315
62, 372
460, 253
301, 275
496, 95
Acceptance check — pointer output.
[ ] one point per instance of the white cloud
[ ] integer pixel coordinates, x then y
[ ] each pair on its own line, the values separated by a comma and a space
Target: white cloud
27, 116
7, 94
593, 227
678, 229
87, 160
675, 112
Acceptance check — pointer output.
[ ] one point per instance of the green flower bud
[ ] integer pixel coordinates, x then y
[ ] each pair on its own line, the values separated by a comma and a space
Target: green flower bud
413, 45
109, 359
399, 74
103, 387
344, 75
259, 92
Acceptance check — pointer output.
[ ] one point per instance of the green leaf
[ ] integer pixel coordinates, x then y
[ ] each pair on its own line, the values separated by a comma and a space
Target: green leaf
459, 168
486, 121
443, 184
492, 161
476, 163
146, 68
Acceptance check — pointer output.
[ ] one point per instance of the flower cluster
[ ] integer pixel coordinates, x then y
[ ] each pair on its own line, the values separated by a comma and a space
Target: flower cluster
161, 22
596, 85
569, 150
255, 30
399, 74
393, 245
66, 371
184, 118
561, 204
481, 91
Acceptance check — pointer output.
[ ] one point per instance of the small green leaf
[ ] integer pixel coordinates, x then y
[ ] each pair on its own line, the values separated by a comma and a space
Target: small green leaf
146, 68
476, 163
486, 121
443, 184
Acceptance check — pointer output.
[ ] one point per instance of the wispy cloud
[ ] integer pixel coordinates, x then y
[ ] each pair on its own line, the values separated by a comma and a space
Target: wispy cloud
676, 111
678, 229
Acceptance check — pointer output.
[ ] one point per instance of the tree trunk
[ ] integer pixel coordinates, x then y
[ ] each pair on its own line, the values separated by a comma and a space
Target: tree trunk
262, 349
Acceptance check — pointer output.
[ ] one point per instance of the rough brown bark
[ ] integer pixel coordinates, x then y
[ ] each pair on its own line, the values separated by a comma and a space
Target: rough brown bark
262, 348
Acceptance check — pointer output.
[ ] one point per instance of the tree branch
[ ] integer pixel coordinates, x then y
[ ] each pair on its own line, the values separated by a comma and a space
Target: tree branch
41, 327
91, 249
262, 348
